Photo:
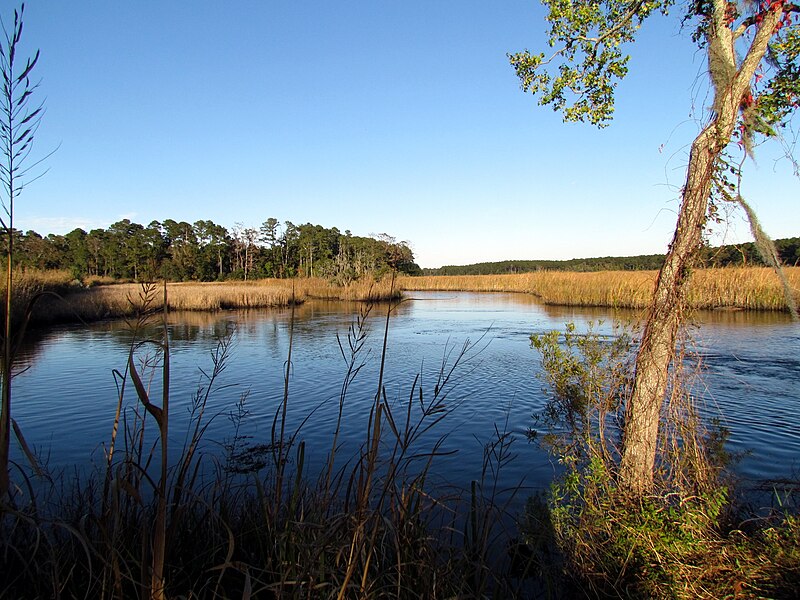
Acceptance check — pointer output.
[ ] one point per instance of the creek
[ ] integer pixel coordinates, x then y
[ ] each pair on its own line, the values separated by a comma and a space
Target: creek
65, 395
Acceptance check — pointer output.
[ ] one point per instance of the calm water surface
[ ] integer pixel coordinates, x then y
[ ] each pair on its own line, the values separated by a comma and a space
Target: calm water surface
65, 398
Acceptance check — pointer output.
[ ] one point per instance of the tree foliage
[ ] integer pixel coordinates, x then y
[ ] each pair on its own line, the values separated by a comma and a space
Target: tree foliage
580, 76
591, 40
206, 251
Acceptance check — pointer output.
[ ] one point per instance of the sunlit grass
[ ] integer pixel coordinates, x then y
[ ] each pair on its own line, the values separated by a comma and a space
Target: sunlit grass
29, 283
114, 301
605, 288
750, 288
756, 288
744, 288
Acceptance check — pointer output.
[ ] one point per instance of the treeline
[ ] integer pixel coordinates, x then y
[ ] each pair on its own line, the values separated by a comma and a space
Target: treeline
205, 251
729, 255
748, 255
608, 263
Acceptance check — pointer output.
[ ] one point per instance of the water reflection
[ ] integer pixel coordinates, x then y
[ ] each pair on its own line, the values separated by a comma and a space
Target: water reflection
65, 399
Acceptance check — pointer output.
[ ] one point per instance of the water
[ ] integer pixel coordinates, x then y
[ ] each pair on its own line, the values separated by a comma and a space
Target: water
66, 395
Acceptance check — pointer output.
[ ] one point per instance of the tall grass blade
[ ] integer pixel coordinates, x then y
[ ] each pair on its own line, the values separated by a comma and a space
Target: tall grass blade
29, 454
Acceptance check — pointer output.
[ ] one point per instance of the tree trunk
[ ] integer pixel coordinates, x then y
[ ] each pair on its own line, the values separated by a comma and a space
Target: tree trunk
656, 351
665, 314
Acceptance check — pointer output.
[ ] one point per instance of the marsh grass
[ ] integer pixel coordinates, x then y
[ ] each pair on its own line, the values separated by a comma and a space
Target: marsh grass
30, 283
112, 301
745, 288
749, 288
258, 521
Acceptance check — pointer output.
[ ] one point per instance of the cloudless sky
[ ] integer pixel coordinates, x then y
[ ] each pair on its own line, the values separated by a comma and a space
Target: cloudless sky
402, 117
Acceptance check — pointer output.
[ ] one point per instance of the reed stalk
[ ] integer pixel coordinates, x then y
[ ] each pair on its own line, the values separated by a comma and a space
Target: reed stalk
279, 444
161, 416
356, 338
366, 475
19, 122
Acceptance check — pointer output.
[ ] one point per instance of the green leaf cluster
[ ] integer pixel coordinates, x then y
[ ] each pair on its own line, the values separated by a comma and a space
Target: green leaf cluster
587, 377
590, 38
781, 95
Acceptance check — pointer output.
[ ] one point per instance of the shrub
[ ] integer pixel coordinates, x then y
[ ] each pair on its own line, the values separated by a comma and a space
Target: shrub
675, 543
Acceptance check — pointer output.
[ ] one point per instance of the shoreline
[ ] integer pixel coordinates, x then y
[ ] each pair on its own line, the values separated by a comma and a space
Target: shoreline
726, 289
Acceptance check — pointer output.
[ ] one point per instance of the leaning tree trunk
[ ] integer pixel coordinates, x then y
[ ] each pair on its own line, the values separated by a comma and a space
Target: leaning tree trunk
658, 340
657, 346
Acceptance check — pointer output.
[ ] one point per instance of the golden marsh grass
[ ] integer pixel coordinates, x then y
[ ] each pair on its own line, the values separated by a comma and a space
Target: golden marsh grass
114, 301
30, 282
743, 288
748, 288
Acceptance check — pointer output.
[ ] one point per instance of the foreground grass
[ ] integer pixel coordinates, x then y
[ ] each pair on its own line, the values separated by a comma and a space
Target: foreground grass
747, 288
676, 545
253, 520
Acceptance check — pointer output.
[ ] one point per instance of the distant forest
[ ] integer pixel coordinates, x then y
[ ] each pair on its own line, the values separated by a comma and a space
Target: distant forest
205, 251
721, 256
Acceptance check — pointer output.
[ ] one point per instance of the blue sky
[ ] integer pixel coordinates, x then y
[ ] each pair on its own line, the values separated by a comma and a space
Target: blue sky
389, 116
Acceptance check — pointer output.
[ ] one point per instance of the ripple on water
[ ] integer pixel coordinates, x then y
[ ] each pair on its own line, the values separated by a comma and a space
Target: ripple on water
66, 394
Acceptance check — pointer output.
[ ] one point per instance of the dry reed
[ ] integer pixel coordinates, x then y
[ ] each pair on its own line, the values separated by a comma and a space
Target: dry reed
30, 283
748, 288
739, 288
751, 288
113, 301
